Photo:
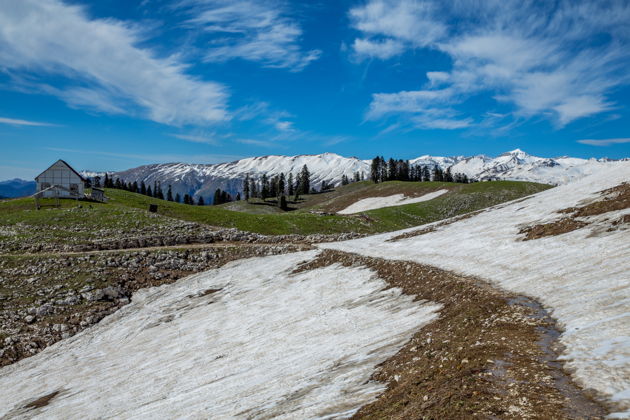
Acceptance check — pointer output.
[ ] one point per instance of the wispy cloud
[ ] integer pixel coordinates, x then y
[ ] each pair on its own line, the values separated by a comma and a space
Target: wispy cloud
256, 31
11, 121
154, 158
259, 143
196, 138
558, 60
604, 142
102, 65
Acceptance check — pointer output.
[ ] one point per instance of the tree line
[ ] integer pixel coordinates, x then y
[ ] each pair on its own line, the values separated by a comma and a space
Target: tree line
401, 170
155, 192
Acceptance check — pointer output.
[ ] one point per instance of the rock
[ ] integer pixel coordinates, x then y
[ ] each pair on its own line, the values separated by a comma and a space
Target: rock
45, 309
29, 319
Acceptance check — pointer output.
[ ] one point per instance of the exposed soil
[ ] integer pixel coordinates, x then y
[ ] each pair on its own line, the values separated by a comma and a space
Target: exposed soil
613, 199
491, 354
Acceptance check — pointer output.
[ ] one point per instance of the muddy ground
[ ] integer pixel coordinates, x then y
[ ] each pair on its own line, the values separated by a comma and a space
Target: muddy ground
491, 354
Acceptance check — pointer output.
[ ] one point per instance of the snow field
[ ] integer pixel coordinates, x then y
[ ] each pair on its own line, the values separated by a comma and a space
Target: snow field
267, 344
372, 203
582, 276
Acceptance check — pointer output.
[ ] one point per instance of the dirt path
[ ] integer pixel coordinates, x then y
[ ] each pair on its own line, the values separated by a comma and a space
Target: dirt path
491, 354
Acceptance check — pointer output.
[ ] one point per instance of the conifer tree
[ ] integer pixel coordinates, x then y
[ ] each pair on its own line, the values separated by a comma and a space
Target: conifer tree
143, 188
201, 202
282, 203
375, 170
225, 197
149, 192
246, 187
217, 197
178, 198
238, 196
253, 188
281, 184
305, 180
106, 182
192, 200
448, 176
291, 188
169, 193
264, 187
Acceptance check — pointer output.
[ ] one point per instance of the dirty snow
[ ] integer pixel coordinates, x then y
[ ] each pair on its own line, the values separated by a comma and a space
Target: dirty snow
582, 276
372, 203
268, 344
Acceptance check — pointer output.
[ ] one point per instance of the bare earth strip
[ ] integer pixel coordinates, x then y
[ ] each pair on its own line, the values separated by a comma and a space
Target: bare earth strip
491, 354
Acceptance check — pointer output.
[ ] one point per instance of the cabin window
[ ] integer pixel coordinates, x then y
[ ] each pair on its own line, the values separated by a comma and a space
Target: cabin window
74, 188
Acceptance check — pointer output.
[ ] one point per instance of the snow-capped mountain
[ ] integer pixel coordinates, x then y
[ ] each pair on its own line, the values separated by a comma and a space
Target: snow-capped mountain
204, 179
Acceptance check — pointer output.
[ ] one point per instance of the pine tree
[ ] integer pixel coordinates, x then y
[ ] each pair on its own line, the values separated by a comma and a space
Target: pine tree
186, 198
375, 170
169, 193
143, 188
217, 197
291, 188
281, 184
253, 188
305, 180
246, 187
273, 187
264, 187
448, 176
159, 194
201, 202
238, 196
225, 197
106, 182
149, 192
178, 198
192, 200
344, 180
282, 203
134, 186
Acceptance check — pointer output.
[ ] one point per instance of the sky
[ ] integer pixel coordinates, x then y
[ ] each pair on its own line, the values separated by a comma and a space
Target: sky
114, 84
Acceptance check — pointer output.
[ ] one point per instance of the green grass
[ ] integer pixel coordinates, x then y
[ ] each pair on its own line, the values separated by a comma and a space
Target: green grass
127, 212
461, 199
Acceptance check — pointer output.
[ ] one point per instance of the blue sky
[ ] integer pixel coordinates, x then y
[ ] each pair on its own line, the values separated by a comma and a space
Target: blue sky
112, 84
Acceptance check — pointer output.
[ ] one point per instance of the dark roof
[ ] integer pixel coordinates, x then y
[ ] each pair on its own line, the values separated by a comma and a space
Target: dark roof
69, 167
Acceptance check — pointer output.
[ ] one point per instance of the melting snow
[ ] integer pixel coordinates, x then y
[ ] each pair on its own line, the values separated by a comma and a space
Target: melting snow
267, 344
372, 203
583, 277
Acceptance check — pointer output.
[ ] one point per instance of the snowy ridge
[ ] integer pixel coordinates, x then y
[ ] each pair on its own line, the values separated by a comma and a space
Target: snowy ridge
582, 276
203, 180
249, 340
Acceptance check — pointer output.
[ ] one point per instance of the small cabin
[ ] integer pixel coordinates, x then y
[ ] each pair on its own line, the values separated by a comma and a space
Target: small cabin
98, 194
60, 180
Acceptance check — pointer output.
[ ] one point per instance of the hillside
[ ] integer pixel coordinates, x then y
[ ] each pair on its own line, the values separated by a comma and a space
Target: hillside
439, 320
203, 180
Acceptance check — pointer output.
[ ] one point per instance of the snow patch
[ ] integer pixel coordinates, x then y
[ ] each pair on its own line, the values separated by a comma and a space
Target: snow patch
249, 340
582, 277
372, 203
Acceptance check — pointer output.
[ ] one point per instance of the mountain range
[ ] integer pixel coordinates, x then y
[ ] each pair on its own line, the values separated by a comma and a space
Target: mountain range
16, 188
204, 179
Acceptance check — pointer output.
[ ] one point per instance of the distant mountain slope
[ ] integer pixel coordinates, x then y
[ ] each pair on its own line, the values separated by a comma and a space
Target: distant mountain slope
16, 188
203, 180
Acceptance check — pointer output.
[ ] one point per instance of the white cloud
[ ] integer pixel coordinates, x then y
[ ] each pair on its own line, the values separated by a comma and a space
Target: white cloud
102, 65
403, 22
284, 126
250, 30
195, 138
11, 121
604, 142
379, 49
559, 60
